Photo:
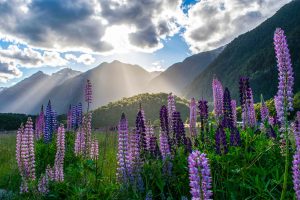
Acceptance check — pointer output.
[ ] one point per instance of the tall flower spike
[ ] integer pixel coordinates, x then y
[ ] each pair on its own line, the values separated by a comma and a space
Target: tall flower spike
87, 131
94, 154
48, 123
227, 110
264, 111
285, 76
74, 117
221, 143
165, 153
178, 129
296, 158
200, 176
123, 169
60, 155
251, 114
234, 113
203, 112
218, 97
79, 115
40, 124
151, 139
140, 130
171, 108
88, 94
69, 118
193, 117
164, 120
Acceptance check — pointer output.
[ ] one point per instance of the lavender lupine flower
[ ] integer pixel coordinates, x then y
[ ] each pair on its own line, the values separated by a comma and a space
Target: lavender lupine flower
74, 117
193, 117
79, 115
123, 169
87, 129
143, 113
54, 120
218, 98
150, 139
264, 111
171, 109
88, 94
234, 113
48, 124
227, 111
140, 130
94, 151
40, 124
148, 195
164, 122
178, 129
69, 118
43, 185
200, 176
235, 137
296, 158
252, 115
49, 173
203, 112
165, 151
25, 154
245, 97
285, 76
60, 155
79, 147
221, 143
135, 160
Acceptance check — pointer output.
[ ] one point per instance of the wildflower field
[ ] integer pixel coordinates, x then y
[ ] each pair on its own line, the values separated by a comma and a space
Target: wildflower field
217, 155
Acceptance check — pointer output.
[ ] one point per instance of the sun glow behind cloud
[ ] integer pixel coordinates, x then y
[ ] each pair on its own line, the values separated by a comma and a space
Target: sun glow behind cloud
82, 34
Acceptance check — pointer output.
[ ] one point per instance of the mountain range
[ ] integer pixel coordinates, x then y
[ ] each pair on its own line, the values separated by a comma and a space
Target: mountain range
250, 54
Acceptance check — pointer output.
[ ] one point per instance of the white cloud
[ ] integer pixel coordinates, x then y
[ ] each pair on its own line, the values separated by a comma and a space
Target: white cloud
30, 58
85, 59
8, 71
214, 23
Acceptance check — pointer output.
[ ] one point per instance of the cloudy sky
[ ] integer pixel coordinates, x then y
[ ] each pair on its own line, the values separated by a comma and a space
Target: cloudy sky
49, 35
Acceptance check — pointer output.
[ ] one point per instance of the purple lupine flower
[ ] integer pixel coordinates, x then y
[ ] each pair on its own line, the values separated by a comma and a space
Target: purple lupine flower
143, 113
87, 131
178, 129
164, 119
234, 113
221, 143
43, 184
31, 156
171, 109
235, 137
74, 117
40, 124
94, 151
227, 110
140, 130
252, 115
150, 139
135, 160
270, 132
88, 94
54, 120
49, 173
264, 111
203, 112
25, 154
218, 97
164, 145
193, 117
60, 155
69, 118
123, 169
296, 157
79, 115
49, 129
79, 147
200, 176
148, 195
285, 76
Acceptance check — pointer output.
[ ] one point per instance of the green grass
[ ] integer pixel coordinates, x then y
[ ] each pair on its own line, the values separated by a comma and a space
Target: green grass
252, 171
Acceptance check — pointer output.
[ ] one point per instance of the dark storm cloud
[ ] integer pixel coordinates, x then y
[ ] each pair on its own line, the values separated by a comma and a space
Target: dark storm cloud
54, 23
8, 71
72, 24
